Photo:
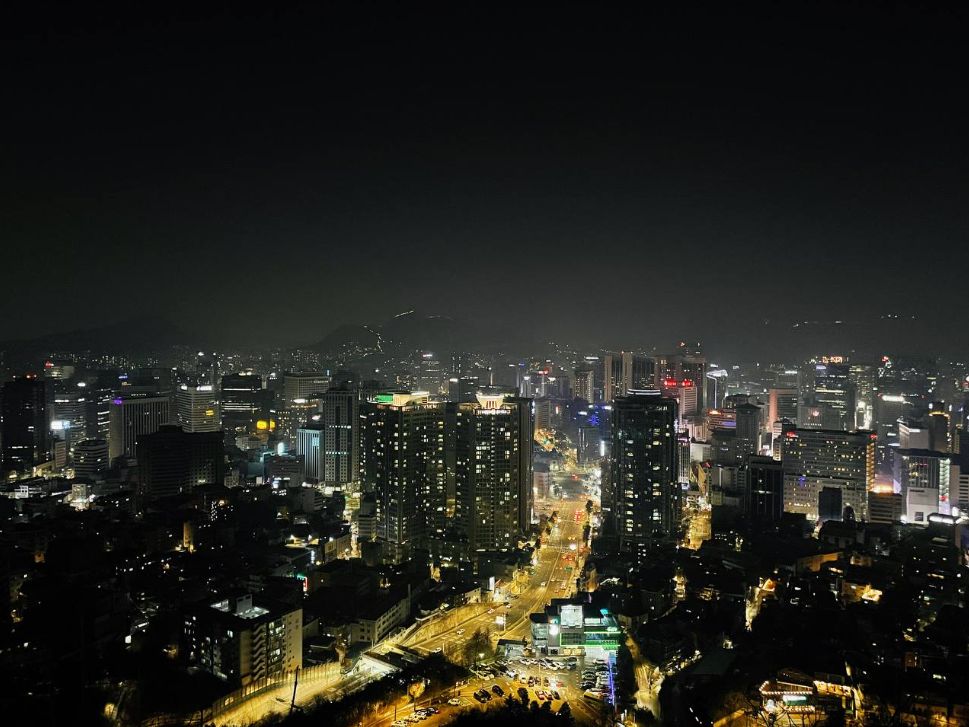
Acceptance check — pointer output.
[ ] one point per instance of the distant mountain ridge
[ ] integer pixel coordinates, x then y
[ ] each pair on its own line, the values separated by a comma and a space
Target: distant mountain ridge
422, 331
135, 335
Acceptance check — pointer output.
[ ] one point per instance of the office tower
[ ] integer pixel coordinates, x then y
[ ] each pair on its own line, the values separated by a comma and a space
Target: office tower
693, 367
763, 482
341, 436
810, 415
404, 440
131, 416
611, 377
889, 408
25, 405
98, 412
285, 468
543, 414
462, 388
938, 426
240, 640
923, 479
863, 378
197, 408
834, 393
912, 435
781, 404
589, 445
644, 469
299, 413
243, 402
493, 488
748, 429
309, 445
172, 460
91, 459
884, 507
69, 415
817, 458
716, 388
831, 504
430, 374
584, 383
302, 385
685, 392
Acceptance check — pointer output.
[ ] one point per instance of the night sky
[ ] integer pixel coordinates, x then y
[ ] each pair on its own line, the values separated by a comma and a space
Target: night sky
610, 178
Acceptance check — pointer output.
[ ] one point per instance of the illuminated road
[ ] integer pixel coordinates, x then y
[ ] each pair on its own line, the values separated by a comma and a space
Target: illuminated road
549, 579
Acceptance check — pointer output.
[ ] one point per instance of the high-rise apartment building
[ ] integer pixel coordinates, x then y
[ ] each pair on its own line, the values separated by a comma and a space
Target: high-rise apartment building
404, 439
583, 386
644, 474
815, 459
494, 498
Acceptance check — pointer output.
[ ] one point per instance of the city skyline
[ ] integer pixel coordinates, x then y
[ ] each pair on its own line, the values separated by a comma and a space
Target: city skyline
556, 365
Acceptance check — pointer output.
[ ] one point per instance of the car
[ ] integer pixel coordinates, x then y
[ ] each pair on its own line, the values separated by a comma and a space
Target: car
477, 695
539, 694
499, 692
432, 710
438, 650
556, 695
491, 610
573, 666
545, 681
454, 702
460, 632
523, 694
400, 723
531, 681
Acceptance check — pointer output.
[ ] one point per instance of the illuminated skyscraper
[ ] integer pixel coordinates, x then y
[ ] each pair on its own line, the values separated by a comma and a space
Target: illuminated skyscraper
493, 489
91, 459
134, 415
243, 401
197, 408
584, 385
404, 439
815, 459
309, 444
644, 475
302, 385
341, 436
834, 393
